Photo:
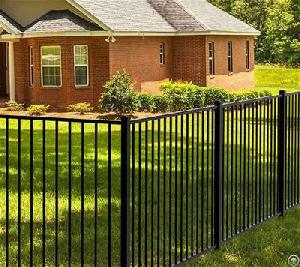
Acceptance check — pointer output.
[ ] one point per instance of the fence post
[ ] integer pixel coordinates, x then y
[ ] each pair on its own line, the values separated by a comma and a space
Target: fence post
218, 190
281, 150
125, 190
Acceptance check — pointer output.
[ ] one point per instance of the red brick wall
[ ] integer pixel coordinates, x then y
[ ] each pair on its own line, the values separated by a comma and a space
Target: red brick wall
189, 59
139, 56
240, 78
186, 60
68, 93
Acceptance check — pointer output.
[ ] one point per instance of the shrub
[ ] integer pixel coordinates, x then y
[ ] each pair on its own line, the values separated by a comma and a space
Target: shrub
265, 93
161, 103
183, 96
247, 95
81, 108
119, 96
213, 94
146, 102
14, 106
37, 110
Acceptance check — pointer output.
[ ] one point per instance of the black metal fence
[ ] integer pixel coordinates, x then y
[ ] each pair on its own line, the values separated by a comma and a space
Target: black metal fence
145, 192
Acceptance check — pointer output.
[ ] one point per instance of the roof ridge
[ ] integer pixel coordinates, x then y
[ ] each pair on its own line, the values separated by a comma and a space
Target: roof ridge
12, 21
164, 7
190, 14
154, 9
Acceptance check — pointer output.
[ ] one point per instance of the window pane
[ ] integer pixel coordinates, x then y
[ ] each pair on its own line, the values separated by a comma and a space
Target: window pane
81, 64
81, 75
81, 55
51, 56
51, 76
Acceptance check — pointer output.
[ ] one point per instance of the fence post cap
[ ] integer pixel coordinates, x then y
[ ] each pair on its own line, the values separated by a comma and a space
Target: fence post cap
282, 92
218, 103
125, 118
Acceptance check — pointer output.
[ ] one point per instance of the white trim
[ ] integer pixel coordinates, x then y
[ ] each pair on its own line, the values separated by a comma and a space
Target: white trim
81, 65
211, 59
7, 28
11, 72
31, 66
61, 78
123, 33
162, 54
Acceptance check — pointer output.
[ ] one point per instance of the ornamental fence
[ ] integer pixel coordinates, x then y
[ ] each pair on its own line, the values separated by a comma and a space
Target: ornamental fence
144, 192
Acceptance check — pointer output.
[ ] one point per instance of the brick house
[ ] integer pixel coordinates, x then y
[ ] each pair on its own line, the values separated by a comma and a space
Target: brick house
63, 51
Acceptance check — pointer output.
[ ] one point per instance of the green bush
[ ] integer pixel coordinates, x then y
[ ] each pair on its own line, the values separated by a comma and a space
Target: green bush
146, 102
265, 93
81, 108
14, 106
119, 96
213, 94
247, 95
161, 103
37, 110
183, 96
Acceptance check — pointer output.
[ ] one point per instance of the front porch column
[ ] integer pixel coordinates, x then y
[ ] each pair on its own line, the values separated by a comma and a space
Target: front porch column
11, 72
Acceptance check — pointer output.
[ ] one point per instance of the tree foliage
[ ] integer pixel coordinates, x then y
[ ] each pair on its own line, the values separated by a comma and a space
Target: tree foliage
279, 23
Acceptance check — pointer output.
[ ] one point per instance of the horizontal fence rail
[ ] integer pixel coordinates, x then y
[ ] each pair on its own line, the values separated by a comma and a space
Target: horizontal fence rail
144, 192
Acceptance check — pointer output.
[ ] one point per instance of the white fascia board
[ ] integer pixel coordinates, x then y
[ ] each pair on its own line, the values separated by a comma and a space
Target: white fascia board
127, 33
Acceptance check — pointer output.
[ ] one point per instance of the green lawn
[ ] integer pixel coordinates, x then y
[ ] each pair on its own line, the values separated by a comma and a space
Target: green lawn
268, 245
89, 183
275, 78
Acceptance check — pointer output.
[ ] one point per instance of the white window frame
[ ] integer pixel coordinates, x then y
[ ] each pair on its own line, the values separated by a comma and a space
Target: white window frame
162, 54
60, 66
247, 55
82, 65
230, 56
31, 66
211, 58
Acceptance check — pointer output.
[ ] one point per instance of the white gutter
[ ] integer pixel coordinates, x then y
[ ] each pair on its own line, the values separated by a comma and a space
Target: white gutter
124, 33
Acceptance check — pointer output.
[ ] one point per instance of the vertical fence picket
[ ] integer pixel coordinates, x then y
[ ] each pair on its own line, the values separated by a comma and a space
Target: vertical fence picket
281, 150
218, 190
125, 191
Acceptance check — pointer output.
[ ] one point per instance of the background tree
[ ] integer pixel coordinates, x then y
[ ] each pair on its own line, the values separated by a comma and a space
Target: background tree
279, 23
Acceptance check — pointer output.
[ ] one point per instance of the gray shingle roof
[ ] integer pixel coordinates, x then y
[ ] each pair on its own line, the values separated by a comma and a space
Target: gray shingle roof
176, 16
60, 21
8, 22
163, 16
127, 15
213, 18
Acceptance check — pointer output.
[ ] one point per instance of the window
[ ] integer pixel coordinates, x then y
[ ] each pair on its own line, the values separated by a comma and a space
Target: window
247, 55
31, 66
211, 58
230, 58
51, 66
81, 65
162, 54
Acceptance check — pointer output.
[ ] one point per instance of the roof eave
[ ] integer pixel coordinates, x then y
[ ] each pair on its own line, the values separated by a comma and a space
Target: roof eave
125, 33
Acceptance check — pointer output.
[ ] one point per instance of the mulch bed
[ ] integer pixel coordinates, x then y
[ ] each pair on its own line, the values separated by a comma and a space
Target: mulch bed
75, 115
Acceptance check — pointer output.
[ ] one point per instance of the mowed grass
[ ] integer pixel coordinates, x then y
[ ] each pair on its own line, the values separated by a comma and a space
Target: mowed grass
275, 78
269, 244
161, 220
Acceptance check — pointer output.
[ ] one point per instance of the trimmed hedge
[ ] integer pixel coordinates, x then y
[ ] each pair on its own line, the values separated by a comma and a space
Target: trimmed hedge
120, 97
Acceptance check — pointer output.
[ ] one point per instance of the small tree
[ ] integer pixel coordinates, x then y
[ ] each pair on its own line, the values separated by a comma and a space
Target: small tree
119, 96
